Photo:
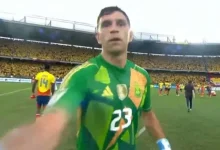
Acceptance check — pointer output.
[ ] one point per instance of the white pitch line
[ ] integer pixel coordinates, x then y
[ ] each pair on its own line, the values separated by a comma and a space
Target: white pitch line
12, 92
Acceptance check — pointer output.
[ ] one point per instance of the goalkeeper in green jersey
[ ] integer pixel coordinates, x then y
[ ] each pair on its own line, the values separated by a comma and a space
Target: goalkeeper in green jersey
111, 91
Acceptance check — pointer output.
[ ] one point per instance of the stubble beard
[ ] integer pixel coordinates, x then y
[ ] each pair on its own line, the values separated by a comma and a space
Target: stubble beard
116, 52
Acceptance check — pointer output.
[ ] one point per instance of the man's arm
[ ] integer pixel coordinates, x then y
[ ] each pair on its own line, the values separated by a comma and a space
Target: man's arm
194, 91
53, 84
52, 88
45, 133
185, 90
153, 125
150, 120
34, 86
37, 77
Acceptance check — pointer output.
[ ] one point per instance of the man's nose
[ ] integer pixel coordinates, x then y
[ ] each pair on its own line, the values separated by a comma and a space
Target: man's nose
114, 28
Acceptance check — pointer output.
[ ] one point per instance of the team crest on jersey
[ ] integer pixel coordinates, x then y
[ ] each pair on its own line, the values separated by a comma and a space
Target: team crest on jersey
138, 92
122, 91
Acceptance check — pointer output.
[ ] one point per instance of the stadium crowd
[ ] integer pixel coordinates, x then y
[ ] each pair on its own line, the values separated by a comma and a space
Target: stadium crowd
29, 69
213, 64
32, 50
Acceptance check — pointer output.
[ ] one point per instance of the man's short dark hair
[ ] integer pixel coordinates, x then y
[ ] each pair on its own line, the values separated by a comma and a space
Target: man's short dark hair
190, 81
46, 67
110, 10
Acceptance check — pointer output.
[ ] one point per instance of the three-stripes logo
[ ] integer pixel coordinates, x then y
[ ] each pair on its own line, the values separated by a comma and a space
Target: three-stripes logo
107, 93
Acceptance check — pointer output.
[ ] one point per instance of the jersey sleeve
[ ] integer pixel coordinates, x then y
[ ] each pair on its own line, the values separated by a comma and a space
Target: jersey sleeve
72, 90
147, 95
53, 79
37, 77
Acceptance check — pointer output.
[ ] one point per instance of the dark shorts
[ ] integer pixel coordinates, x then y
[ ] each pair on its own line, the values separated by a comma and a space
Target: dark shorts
42, 100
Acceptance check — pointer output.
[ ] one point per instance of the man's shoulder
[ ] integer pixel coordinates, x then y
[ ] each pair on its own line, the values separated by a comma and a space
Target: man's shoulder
52, 75
87, 68
187, 86
38, 74
141, 70
80, 73
143, 73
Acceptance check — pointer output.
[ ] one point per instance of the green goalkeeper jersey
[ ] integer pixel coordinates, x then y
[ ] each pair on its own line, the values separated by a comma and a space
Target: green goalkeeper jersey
111, 99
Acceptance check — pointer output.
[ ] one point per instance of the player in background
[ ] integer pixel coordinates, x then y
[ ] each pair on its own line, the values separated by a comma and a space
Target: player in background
160, 89
189, 95
213, 93
181, 87
45, 83
112, 91
32, 79
198, 88
177, 89
202, 91
167, 87
209, 89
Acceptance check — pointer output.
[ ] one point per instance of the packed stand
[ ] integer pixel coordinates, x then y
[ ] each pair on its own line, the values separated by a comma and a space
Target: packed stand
158, 77
29, 69
213, 64
11, 68
46, 51
170, 62
76, 54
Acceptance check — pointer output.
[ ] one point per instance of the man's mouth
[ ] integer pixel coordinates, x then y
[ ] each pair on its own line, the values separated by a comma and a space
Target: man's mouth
115, 39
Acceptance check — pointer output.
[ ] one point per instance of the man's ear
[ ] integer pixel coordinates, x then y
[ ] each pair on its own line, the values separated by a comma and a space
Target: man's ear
131, 36
98, 37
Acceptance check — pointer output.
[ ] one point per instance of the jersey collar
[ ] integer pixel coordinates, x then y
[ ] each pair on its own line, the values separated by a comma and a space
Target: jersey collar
107, 64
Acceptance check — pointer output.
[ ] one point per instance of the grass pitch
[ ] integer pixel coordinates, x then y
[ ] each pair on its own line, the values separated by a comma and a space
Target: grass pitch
198, 130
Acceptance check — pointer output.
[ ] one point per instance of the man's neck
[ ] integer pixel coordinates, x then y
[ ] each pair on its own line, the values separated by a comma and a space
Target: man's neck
119, 61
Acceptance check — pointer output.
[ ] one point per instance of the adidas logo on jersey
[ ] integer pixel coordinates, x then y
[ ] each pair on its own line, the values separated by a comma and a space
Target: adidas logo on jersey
107, 93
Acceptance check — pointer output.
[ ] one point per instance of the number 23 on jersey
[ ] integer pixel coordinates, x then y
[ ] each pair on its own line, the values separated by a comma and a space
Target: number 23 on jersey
119, 113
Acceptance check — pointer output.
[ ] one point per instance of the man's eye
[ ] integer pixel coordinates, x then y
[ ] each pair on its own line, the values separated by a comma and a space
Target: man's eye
121, 23
106, 24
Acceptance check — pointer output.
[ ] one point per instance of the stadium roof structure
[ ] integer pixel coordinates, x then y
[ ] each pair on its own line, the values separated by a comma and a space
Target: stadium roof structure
75, 33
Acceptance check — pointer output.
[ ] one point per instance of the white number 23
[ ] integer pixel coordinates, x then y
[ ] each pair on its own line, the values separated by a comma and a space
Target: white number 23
128, 117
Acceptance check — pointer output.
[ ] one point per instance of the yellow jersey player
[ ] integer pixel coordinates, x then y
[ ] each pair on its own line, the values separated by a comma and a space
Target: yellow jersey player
160, 88
167, 87
177, 89
45, 83
198, 88
182, 87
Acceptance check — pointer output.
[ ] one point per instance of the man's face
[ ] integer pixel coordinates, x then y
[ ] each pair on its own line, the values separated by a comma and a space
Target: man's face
114, 33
